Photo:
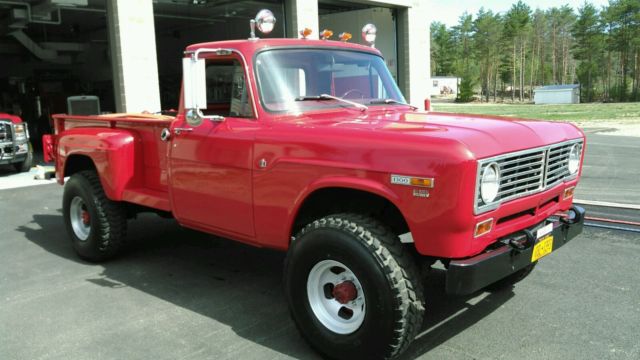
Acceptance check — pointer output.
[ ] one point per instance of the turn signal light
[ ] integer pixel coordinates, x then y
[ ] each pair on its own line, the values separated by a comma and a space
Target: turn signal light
326, 34
423, 182
568, 192
483, 227
345, 36
305, 32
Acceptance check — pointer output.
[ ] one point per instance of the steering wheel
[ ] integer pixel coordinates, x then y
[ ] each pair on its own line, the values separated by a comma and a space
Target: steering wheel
353, 91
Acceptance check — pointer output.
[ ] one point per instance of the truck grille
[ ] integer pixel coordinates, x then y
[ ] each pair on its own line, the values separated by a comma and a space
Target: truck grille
558, 163
5, 131
527, 172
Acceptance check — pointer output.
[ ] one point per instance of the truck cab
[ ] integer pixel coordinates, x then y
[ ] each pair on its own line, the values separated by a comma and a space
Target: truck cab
309, 147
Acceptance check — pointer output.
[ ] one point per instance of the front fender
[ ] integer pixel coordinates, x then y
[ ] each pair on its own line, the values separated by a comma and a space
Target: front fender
112, 151
369, 185
347, 182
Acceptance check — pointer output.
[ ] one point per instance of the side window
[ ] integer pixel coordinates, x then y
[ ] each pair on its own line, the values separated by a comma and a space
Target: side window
227, 90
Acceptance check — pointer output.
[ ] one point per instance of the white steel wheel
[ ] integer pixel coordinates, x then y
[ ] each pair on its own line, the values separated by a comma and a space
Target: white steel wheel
80, 218
336, 297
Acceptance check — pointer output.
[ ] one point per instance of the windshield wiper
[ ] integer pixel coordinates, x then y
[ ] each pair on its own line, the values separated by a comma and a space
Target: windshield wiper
391, 101
331, 97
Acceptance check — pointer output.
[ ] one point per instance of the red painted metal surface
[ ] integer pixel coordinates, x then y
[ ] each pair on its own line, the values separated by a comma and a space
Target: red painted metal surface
247, 178
13, 118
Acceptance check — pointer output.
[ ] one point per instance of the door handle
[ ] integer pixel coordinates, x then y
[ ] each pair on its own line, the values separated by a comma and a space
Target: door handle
177, 131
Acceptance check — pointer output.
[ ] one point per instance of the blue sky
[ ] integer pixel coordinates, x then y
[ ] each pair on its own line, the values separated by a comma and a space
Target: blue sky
449, 11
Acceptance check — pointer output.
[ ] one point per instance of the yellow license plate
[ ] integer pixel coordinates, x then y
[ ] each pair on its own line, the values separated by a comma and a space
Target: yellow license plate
542, 248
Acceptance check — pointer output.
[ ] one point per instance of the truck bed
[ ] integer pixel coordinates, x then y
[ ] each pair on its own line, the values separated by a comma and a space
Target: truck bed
148, 186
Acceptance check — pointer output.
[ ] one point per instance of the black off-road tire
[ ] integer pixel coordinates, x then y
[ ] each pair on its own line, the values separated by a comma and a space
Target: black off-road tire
25, 165
511, 280
108, 221
387, 272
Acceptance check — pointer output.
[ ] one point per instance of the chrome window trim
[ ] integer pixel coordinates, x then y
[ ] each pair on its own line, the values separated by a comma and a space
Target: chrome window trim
223, 52
480, 209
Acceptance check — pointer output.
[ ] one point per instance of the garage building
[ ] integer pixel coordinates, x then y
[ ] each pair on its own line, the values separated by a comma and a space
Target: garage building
127, 52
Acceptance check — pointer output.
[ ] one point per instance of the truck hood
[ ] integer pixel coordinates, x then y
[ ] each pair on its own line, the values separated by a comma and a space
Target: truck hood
14, 119
484, 136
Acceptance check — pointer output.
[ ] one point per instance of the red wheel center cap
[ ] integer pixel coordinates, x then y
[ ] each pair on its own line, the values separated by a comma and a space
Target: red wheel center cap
345, 292
85, 217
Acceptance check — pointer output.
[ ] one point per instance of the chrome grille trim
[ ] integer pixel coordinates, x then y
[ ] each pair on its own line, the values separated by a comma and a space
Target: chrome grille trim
6, 131
527, 172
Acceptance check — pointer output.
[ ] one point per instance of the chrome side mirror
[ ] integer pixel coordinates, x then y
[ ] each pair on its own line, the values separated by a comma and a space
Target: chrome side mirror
194, 82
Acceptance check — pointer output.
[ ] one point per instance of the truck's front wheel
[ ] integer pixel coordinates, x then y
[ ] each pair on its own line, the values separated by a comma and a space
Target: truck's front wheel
25, 165
96, 225
353, 289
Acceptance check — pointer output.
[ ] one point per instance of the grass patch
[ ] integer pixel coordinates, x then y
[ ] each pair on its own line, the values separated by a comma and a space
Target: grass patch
613, 112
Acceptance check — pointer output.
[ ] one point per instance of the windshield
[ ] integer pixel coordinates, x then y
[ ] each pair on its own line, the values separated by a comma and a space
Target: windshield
307, 79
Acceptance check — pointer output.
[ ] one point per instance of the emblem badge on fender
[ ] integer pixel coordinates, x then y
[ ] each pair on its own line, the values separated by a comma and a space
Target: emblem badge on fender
421, 193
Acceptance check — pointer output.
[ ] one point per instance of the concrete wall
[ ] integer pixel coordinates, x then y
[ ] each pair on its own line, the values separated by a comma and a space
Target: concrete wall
133, 55
414, 58
301, 14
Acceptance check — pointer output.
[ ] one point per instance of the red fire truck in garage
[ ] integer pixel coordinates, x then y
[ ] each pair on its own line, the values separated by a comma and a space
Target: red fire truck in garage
14, 143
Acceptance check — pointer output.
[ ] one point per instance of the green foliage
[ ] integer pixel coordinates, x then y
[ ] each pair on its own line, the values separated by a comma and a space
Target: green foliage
442, 50
465, 90
514, 52
589, 44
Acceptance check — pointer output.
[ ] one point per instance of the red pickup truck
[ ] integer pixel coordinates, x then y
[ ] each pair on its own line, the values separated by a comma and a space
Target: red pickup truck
309, 147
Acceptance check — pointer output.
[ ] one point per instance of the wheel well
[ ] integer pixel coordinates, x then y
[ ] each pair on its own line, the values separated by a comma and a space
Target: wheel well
328, 201
76, 163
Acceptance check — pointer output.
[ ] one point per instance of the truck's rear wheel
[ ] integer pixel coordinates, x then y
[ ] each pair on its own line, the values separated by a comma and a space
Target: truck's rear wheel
354, 291
95, 224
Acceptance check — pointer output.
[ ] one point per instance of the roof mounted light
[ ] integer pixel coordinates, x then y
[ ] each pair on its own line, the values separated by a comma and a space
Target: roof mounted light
345, 36
369, 34
265, 21
305, 33
326, 34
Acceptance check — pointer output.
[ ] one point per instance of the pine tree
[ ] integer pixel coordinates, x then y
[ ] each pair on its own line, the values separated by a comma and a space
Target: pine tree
588, 47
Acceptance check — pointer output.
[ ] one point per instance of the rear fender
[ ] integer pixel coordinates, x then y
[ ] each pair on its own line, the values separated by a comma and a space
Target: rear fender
112, 151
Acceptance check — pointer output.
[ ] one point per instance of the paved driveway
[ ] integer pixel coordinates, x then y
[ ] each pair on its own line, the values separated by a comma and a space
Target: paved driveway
178, 294
611, 169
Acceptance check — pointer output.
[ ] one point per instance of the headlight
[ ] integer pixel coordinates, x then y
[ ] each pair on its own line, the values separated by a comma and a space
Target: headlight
20, 131
574, 158
490, 183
